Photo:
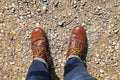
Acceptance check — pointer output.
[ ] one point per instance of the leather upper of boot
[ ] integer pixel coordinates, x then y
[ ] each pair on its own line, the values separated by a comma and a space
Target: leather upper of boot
77, 41
38, 43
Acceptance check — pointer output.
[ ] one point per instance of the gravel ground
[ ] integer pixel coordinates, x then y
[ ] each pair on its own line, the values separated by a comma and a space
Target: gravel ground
100, 18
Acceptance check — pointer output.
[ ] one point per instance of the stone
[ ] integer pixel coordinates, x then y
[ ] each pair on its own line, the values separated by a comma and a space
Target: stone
101, 71
15, 68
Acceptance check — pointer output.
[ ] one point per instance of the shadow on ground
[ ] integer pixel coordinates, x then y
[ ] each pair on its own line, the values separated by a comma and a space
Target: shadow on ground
85, 53
51, 64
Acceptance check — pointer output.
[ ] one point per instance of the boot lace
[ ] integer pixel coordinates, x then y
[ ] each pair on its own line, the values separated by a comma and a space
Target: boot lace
77, 49
38, 52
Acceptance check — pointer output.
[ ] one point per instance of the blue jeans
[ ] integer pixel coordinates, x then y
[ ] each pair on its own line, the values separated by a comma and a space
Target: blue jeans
74, 70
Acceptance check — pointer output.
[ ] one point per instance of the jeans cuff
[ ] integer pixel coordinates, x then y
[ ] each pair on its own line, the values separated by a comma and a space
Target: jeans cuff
71, 56
41, 60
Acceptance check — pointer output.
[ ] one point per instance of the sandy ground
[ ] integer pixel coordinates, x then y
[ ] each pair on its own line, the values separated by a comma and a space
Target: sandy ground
100, 18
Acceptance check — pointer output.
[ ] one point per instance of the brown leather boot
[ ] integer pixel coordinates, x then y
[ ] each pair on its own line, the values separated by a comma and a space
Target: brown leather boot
39, 44
77, 42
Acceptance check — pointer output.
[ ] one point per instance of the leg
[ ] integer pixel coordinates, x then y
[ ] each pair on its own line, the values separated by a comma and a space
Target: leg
75, 70
38, 71
39, 67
